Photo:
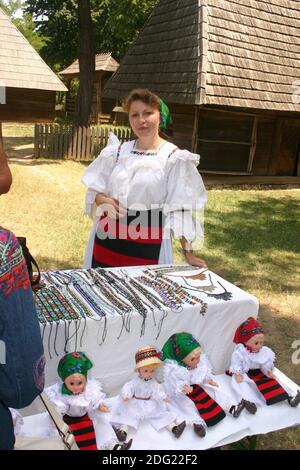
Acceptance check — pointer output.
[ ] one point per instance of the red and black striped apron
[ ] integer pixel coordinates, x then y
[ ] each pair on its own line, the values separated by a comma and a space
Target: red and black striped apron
132, 240
208, 409
271, 390
83, 430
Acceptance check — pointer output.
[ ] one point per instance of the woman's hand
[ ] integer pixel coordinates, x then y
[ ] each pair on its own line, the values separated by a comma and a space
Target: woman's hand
111, 206
194, 261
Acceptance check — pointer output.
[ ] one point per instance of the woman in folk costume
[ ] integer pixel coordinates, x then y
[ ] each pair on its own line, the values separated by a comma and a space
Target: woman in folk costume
143, 191
252, 369
144, 398
189, 383
81, 404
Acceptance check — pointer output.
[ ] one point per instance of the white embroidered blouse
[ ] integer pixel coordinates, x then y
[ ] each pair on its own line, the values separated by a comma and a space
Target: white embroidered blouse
242, 360
166, 179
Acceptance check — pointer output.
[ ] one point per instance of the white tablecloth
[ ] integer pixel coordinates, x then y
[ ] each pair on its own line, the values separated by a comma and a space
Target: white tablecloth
114, 363
113, 358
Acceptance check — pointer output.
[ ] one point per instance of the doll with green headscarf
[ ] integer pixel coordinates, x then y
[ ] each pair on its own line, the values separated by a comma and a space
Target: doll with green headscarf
189, 383
82, 405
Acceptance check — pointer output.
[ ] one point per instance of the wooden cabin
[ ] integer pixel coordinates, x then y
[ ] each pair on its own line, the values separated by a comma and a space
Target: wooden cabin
230, 72
105, 66
28, 86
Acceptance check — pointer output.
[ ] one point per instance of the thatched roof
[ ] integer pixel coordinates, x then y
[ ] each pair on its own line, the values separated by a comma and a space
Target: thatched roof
243, 53
104, 62
20, 64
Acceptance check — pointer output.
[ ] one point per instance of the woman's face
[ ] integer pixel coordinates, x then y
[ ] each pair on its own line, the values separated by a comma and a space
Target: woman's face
144, 119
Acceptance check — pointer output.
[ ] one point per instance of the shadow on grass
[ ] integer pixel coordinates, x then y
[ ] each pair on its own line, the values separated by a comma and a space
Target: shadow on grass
54, 264
250, 234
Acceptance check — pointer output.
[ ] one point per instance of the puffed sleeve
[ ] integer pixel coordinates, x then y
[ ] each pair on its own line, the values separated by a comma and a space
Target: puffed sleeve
96, 175
175, 378
186, 197
128, 390
238, 361
268, 365
55, 396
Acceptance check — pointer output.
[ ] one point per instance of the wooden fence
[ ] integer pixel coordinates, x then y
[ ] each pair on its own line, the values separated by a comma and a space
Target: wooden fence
69, 142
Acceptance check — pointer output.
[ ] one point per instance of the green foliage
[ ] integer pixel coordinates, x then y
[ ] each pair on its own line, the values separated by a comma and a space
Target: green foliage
116, 25
24, 23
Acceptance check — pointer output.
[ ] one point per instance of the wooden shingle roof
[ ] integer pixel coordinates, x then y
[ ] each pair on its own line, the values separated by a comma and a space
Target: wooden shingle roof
103, 62
20, 64
242, 53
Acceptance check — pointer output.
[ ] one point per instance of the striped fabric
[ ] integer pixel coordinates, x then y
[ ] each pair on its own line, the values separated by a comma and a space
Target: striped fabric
83, 430
208, 409
133, 240
270, 388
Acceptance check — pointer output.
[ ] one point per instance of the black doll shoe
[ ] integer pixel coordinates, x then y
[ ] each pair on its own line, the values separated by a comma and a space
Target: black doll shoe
250, 407
178, 430
120, 433
293, 402
235, 411
124, 446
199, 430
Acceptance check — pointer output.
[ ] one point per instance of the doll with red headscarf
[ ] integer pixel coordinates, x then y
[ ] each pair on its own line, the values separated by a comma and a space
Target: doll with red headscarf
252, 368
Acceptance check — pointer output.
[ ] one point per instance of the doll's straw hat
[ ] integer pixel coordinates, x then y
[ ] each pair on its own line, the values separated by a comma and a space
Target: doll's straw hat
147, 356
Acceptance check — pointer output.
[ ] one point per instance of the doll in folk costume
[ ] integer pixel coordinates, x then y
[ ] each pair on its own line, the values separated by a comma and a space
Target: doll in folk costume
252, 369
143, 398
190, 385
81, 403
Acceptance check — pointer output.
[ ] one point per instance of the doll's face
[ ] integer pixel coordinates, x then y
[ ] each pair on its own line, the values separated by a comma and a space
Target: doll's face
75, 383
147, 372
192, 360
256, 342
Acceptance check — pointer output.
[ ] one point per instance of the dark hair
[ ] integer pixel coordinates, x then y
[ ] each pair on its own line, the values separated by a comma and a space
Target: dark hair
144, 95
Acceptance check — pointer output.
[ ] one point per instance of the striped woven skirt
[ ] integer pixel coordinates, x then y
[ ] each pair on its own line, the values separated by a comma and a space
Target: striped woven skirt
133, 240
83, 430
271, 390
208, 409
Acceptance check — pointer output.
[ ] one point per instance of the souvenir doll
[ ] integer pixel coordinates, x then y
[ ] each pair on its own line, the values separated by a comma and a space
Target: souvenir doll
189, 383
81, 403
144, 398
252, 369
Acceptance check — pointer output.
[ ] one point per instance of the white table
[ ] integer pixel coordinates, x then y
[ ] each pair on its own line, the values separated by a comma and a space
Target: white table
114, 358
114, 364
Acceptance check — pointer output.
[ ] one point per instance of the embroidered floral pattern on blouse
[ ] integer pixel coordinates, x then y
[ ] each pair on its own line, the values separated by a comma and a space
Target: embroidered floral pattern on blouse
13, 270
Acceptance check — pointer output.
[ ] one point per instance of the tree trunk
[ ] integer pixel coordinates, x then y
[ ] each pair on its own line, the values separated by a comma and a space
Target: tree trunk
86, 57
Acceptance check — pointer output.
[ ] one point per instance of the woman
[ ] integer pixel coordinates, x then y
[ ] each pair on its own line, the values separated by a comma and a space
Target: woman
21, 350
144, 191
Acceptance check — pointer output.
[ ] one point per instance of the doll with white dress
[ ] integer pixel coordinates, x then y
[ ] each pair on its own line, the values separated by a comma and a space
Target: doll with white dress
81, 403
143, 398
190, 385
252, 369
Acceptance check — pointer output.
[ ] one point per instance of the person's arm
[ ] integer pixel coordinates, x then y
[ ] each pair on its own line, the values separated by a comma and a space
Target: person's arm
189, 254
5, 174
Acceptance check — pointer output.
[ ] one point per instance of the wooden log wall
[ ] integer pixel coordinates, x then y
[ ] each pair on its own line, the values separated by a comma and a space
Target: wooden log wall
24, 105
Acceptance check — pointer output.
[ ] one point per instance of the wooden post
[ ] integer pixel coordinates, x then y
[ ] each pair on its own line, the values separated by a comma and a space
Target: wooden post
195, 130
98, 86
275, 153
253, 145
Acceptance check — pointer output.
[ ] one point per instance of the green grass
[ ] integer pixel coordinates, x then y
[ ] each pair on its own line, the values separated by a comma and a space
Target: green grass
252, 240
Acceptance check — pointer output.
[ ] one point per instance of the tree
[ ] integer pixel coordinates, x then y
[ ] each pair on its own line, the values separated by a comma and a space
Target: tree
116, 25
86, 57
81, 28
